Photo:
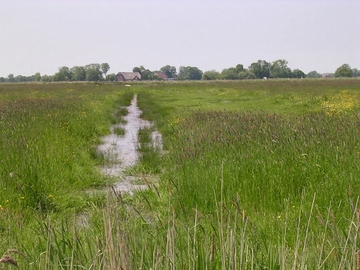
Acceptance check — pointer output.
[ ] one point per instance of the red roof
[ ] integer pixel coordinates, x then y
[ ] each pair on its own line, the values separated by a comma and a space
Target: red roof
161, 75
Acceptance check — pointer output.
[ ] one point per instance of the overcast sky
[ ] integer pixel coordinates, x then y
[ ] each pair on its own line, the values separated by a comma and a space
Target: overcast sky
43, 35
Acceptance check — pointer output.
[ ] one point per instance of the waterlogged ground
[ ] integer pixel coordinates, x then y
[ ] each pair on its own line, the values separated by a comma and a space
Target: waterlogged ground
120, 151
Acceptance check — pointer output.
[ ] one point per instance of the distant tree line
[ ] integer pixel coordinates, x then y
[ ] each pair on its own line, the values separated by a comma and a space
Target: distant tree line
257, 70
92, 72
277, 69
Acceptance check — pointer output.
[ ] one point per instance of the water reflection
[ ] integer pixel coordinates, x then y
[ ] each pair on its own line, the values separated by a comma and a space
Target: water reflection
120, 151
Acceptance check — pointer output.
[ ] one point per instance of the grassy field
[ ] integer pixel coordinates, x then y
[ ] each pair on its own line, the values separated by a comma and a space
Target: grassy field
253, 175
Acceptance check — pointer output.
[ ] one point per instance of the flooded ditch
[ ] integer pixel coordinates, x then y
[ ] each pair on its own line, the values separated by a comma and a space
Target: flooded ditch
120, 152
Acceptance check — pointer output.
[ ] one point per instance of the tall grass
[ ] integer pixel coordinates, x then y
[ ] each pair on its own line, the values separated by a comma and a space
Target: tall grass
48, 139
45, 149
267, 157
253, 175
259, 189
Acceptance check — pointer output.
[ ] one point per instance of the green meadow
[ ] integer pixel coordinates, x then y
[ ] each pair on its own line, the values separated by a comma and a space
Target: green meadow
252, 175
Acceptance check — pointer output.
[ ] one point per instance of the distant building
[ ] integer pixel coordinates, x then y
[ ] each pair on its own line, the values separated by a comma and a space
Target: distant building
128, 76
161, 75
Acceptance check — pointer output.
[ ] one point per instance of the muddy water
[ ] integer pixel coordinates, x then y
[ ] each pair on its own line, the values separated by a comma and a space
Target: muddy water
120, 151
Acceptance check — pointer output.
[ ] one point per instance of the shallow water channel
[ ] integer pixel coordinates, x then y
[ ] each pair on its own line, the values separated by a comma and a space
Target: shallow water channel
120, 151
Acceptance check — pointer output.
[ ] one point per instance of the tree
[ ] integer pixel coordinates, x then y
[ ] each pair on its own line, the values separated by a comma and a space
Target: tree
189, 73
93, 75
169, 71
313, 74
46, 78
211, 75
297, 73
137, 69
36, 77
260, 69
105, 68
147, 74
279, 69
93, 72
230, 74
344, 71
78, 73
140, 69
21, 78
356, 72
246, 75
239, 67
64, 74
111, 77
11, 78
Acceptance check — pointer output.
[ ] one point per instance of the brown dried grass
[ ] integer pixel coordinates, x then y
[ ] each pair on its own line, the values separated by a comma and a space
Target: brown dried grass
7, 259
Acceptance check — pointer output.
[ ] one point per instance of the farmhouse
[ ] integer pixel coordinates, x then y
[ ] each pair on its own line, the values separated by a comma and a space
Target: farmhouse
161, 75
128, 76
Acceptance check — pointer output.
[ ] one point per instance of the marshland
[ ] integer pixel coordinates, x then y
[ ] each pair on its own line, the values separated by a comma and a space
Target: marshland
250, 175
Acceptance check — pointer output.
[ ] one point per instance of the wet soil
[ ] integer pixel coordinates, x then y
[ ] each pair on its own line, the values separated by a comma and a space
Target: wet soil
120, 151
